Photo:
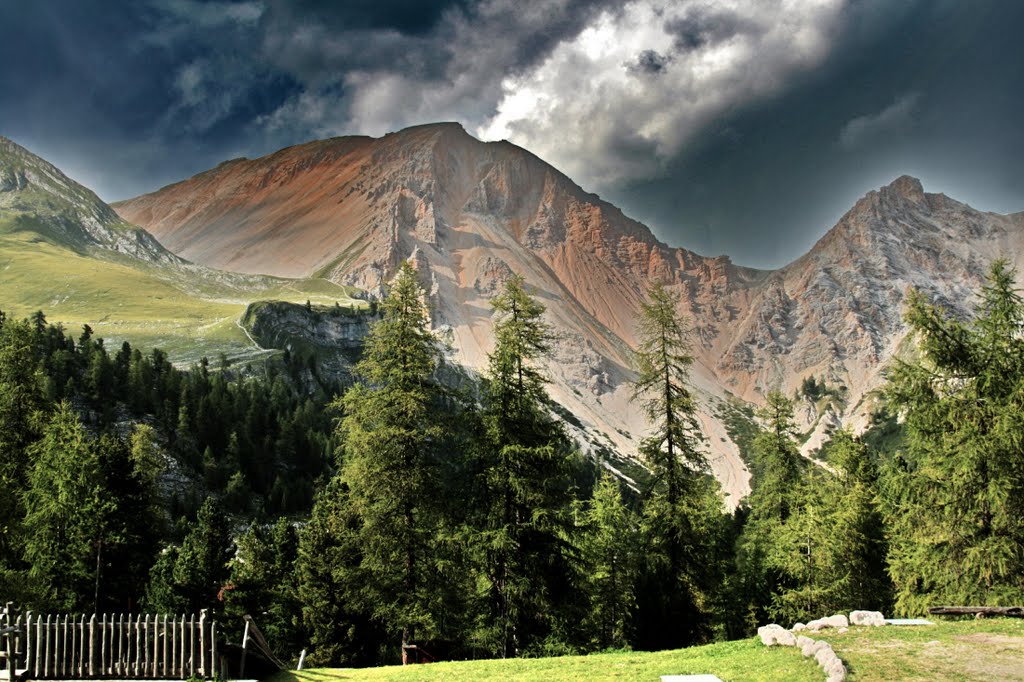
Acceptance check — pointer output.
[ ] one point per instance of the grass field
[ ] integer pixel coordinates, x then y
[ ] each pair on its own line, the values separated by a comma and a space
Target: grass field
189, 314
947, 651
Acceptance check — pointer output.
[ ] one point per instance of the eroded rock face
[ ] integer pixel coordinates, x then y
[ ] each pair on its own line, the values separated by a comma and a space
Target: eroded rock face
474, 213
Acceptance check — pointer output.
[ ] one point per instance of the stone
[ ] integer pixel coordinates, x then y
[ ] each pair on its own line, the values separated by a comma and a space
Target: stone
869, 618
843, 631
776, 634
836, 621
799, 627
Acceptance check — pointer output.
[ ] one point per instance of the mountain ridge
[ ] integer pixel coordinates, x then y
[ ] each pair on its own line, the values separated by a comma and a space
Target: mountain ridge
470, 213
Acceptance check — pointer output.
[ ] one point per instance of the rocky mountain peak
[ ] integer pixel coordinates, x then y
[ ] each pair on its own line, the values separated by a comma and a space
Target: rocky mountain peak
905, 187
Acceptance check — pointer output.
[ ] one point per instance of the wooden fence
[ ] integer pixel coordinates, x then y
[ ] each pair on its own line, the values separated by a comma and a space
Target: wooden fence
132, 646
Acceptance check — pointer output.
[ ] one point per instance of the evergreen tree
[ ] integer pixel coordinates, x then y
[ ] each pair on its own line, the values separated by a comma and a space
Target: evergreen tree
778, 465
21, 406
389, 463
683, 513
955, 495
766, 569
68, 515
525, 530
263, 581
609, 539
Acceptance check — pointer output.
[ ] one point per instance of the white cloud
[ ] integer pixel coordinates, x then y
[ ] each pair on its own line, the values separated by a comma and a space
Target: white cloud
894, 117
628, 92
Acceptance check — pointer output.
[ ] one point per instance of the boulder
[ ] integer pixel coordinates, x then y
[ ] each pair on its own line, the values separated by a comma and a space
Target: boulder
836, 621
799, 627
871, 618
776, 634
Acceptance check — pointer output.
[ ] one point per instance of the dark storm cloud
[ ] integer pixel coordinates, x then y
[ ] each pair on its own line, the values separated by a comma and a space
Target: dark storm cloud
929, 89
736, 127
650, 62
703, 25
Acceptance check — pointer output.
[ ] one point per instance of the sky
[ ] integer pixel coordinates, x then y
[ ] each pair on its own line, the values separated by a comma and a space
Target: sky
737, 127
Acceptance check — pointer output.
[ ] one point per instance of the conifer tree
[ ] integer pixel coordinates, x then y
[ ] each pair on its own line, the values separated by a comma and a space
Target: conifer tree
68, 514
527, 465
390, 460
610, 553
955, 495
768, 569
682, 515
778, 465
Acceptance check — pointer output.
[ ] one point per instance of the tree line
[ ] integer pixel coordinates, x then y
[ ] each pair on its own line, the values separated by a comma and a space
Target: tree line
408, 516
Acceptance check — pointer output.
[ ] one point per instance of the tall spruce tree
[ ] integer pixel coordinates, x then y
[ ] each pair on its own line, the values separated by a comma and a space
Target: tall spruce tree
390, 461
527, 464
683, 513
955, 495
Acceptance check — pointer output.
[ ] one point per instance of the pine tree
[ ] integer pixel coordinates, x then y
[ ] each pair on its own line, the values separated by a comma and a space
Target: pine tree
527, 557
683, 513
955, 496
768, 569
778, 465
21, 407
389, 463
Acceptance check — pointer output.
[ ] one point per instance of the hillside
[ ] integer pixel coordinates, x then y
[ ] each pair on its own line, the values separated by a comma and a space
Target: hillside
470, 213
64, 251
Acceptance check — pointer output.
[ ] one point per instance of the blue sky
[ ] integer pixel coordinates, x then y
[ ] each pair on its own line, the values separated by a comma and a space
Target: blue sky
737, 127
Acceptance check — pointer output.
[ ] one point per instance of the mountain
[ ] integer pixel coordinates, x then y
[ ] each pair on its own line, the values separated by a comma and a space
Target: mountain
66, 252
36, 196
471, 213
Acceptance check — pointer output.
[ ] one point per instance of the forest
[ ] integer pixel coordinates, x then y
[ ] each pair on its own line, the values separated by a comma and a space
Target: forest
350, 520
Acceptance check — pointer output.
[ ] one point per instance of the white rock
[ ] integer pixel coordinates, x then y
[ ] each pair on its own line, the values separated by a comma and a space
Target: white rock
836, 621
802, 641
843, 630
799, 627
775, 634
872, 618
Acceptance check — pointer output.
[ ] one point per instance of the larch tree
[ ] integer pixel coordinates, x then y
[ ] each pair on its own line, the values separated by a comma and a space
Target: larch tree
526, 469
389, 462
955, 493
683, 513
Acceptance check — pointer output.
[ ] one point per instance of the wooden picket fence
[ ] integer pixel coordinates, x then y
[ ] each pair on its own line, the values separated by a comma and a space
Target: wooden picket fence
131, 646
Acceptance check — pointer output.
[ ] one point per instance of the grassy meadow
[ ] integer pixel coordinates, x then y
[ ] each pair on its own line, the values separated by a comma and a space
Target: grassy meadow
188, 316
947, 651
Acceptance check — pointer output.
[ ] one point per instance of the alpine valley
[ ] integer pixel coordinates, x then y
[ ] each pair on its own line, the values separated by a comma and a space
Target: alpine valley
330, 221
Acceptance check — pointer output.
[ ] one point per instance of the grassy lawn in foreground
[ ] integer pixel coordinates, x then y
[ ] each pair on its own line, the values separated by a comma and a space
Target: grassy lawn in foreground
990, 649
741, 660
947, 651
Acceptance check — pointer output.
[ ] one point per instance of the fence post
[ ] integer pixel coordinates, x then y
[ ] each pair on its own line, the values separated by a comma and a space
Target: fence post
245, 644
202, 643
213, 649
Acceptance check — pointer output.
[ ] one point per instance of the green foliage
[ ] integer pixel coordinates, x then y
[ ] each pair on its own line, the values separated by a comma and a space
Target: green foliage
955, 494
682, 517
523, 525
263, 582
390, 463
192, 577
609, 537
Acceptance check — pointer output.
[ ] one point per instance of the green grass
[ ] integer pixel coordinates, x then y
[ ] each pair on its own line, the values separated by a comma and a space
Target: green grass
947, 651
187, 313
950, 650
740, 660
